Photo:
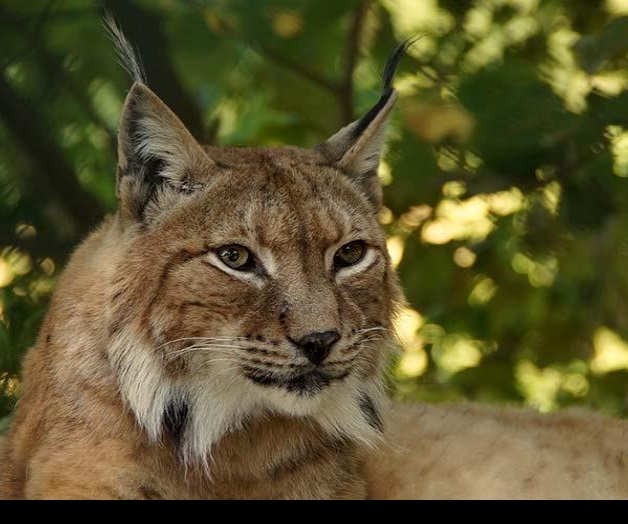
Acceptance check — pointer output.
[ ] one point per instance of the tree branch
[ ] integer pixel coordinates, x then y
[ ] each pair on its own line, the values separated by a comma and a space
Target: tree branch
296, 68
54, 174
345, 92
145, 29
53, 67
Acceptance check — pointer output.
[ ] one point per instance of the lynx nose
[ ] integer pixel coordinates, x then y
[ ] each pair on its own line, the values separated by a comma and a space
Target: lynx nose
317, 346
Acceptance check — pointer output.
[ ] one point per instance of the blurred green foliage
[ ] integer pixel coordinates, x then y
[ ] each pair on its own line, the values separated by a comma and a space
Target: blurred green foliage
506, 176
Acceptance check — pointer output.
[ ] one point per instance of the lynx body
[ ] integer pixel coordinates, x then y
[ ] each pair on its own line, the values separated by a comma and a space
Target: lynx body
224, 336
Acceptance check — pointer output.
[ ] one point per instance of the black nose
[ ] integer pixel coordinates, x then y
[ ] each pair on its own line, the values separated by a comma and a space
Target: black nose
317, 346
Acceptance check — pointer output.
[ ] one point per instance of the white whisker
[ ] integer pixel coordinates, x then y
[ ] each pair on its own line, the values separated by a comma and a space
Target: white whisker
372, 339
378, 328
201, 348
208, 339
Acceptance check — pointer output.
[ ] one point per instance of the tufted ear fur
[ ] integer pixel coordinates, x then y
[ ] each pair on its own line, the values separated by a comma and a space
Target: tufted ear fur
357, 148
158, 159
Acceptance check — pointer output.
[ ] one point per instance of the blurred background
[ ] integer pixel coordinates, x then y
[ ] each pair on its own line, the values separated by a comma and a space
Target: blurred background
506, 176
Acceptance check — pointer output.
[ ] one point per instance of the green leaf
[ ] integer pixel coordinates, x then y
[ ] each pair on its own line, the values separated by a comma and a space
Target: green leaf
593, 51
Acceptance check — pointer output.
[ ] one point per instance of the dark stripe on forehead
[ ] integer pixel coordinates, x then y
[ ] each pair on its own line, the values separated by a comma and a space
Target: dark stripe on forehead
326, 205
297, 204
341, 201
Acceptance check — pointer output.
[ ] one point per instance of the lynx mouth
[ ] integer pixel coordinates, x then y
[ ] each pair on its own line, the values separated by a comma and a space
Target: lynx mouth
303, 384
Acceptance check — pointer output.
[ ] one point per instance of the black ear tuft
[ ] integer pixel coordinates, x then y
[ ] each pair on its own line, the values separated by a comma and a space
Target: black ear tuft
356, 149
393, 63
387, 88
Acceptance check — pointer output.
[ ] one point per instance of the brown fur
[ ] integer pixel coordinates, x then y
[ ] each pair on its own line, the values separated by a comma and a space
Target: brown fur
480, 452
139, 291
162, 373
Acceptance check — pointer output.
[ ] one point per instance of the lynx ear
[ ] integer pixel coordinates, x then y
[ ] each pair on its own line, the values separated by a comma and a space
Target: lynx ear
356, 149
158, 159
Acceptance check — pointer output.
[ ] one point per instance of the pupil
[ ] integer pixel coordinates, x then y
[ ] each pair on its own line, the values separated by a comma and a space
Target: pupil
233, 255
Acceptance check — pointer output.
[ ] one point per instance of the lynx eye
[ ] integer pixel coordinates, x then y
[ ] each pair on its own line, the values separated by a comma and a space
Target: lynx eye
350, 254
236, 257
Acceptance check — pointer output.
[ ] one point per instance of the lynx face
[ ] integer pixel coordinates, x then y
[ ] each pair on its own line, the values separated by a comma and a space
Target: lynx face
285, 290
253, 281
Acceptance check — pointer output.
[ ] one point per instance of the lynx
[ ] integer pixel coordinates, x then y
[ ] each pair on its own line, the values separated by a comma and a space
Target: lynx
224, 336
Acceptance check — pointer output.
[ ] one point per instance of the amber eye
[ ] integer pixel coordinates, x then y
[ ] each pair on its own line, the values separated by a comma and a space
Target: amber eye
350, 254
236, 257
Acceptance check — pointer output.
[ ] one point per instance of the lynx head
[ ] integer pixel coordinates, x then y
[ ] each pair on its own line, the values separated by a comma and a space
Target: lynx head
254, 282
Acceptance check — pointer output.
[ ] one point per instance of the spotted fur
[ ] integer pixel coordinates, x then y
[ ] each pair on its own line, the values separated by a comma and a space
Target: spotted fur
162, 373
157, 362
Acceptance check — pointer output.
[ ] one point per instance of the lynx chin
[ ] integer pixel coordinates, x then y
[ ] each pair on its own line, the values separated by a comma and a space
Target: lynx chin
224, 334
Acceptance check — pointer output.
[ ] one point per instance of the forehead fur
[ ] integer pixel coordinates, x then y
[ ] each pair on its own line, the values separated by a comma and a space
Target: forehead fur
273, 195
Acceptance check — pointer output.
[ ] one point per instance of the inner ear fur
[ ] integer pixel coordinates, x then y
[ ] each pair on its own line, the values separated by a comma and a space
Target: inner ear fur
158, 157
356, 149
